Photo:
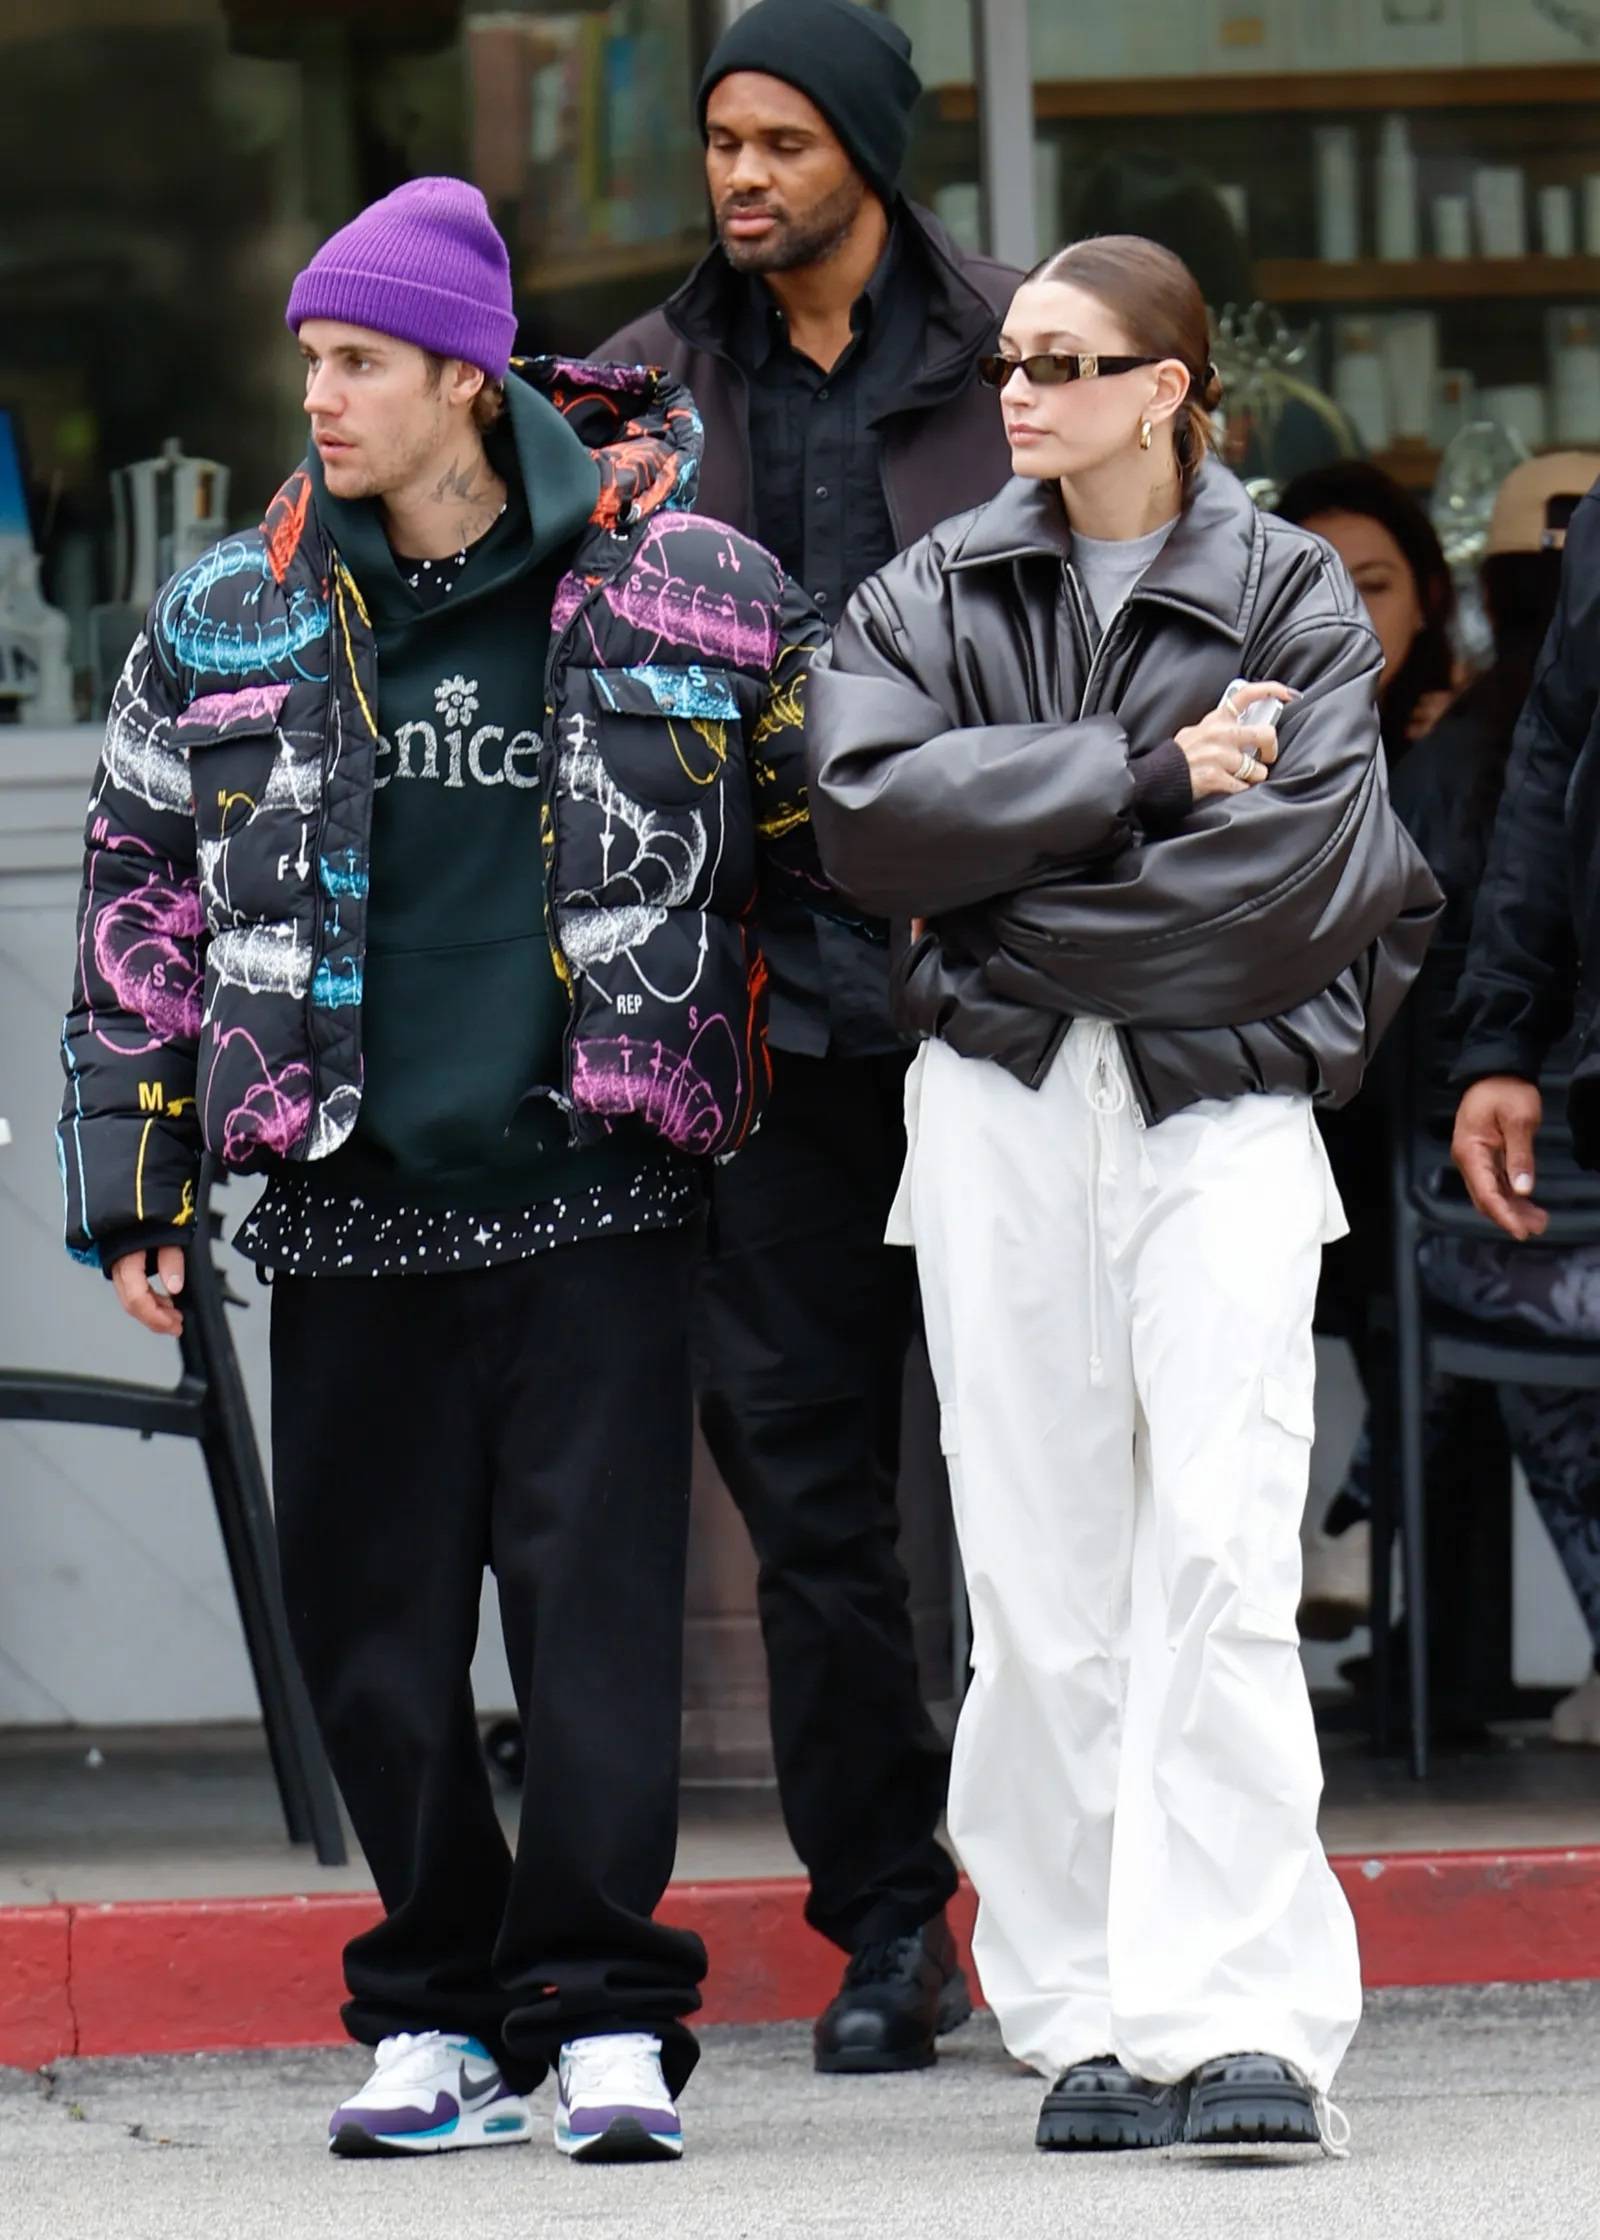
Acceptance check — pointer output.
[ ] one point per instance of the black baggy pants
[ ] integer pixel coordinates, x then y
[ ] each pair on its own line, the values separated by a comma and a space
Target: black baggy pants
536, 1419
805, 1316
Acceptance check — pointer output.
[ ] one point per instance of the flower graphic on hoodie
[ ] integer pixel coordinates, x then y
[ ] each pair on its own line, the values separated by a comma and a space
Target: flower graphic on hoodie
456, 701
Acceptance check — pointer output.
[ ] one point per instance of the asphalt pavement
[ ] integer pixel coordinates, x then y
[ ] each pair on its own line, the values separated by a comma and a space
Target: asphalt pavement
1475, 2113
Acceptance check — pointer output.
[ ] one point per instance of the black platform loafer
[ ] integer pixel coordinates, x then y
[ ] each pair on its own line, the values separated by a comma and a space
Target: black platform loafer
1098, 2106
1251, 2099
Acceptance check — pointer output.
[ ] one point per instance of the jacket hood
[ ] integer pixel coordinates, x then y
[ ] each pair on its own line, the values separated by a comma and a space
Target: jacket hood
965, 295
552, 483
1210, 565
639, 425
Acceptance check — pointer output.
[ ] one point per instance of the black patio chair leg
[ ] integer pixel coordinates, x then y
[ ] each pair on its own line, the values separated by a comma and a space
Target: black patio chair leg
244, 1515
1412, 1400
1381, 1414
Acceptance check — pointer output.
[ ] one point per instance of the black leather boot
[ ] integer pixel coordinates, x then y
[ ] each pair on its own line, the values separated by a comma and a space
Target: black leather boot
897, 1997
1100, 2105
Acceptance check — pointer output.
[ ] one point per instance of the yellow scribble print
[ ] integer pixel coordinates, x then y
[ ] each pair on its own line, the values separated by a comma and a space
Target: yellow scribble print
715, 736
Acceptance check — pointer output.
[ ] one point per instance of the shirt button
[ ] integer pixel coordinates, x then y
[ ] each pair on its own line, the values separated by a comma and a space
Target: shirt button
822, 490
821, 598
823, 395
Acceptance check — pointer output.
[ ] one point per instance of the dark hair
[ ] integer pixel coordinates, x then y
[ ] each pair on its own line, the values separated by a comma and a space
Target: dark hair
1156, 300
487, 405
1357, 486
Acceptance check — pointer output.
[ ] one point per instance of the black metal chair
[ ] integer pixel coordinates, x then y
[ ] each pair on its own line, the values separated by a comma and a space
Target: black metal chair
208, 1403
1427, 1200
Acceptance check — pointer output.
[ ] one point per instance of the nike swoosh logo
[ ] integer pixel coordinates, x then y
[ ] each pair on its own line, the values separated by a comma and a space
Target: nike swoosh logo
473, 2095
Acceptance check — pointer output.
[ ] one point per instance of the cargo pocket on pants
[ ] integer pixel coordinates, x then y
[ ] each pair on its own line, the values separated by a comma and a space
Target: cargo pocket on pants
1270, 1583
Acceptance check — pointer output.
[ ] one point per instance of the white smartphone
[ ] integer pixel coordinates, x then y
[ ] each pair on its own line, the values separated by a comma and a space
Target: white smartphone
1251, 711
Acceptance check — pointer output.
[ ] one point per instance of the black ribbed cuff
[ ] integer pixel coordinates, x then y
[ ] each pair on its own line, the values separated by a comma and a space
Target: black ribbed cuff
1163, 791
145, 1237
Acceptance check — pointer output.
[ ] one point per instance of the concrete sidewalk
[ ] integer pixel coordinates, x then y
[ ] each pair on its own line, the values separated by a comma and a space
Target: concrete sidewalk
1474, 2112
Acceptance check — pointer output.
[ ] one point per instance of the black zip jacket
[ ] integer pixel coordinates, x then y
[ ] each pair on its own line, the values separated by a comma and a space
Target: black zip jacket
1529, 975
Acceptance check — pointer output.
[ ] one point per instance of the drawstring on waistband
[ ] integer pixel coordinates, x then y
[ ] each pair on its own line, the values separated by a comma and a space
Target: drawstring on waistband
1106, 1097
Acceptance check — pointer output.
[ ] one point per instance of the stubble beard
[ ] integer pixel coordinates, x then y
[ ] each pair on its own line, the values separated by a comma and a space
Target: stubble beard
811, 239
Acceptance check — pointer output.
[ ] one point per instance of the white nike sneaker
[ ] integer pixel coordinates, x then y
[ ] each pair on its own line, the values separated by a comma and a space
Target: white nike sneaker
1336, 1591
1576, 1718
429, 2091
612, 2102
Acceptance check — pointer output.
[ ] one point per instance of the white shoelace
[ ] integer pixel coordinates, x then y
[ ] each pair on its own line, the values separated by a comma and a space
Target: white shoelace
392, 2051
624, 2067
1333, 2128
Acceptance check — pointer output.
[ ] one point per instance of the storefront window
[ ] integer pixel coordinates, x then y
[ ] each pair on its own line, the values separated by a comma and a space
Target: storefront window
1409, 188
166, 166
1413, 185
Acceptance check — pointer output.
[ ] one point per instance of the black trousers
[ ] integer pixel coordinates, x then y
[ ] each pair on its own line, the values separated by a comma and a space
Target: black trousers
537, 1419
805, 1318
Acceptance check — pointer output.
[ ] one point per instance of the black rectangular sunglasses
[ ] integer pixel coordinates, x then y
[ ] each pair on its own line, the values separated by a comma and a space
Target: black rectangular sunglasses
1047, 369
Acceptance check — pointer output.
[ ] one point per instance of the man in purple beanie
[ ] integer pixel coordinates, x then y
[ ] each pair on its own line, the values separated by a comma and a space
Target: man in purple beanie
419, 876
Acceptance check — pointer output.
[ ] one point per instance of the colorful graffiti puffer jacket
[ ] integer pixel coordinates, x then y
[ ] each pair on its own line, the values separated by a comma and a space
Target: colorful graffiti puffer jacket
217, 996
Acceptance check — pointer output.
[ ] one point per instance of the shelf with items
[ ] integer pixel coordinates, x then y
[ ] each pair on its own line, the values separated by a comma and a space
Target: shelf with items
1304, 93
1414, 465
1308, 280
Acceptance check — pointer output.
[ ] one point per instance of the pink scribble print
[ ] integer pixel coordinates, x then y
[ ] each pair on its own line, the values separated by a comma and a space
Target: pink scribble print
272, 1115
146, 951
615, 1077
652, 596
655, 600
257, 703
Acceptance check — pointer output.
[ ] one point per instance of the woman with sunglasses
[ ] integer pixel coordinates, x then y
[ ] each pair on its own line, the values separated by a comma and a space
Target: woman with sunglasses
1110, 742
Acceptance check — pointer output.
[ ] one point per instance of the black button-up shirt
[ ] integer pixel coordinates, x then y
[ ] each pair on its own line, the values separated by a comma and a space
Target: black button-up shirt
820, 504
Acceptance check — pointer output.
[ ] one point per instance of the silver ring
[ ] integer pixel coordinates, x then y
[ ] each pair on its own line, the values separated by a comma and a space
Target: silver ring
1248, 760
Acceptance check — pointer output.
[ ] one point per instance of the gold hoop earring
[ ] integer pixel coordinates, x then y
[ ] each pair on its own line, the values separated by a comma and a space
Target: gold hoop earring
1145, 434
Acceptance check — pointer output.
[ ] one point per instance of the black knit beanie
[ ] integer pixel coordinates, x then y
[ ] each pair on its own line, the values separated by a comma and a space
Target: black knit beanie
853, 63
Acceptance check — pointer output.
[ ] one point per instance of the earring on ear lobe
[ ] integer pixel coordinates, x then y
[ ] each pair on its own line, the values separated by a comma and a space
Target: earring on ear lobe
1145, 434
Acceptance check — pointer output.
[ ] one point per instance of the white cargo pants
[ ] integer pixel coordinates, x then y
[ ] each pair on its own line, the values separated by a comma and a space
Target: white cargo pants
1119, 1320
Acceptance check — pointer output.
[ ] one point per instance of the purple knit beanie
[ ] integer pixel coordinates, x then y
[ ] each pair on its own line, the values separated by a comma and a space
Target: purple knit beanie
425, 265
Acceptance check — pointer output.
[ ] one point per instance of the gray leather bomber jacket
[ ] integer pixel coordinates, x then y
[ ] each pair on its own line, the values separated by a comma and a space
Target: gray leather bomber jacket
972, 764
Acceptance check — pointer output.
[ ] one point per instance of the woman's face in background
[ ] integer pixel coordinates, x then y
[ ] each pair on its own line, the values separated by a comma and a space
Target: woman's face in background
1382, 575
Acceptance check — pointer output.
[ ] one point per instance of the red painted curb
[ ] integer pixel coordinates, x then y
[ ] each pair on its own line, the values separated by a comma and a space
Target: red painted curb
1476, 1916
36, 2021
217, 1974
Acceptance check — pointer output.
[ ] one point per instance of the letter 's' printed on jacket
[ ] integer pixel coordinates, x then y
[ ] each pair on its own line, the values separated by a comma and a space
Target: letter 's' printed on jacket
221, 931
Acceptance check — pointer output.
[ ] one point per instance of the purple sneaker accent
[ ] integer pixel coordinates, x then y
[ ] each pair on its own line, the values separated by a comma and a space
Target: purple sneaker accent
593, 2121
423, 2098
383, 2123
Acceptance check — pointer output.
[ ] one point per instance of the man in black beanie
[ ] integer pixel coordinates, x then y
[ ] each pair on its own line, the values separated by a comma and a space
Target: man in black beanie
830, 340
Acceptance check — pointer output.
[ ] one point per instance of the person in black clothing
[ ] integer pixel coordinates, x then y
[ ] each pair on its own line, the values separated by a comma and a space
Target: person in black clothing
830, 339
1448, 794
418, 875
1388, 544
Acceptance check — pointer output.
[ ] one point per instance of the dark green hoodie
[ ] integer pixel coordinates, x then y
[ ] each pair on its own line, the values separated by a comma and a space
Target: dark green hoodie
461, 1012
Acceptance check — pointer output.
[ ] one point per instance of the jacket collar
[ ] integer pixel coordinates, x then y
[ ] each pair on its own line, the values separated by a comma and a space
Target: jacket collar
638, 426
958, 320
1208, 566
552, 482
